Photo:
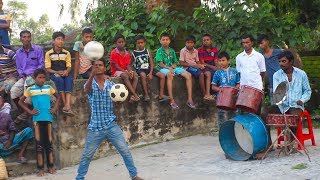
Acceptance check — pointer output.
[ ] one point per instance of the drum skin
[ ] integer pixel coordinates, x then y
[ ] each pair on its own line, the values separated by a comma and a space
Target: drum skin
227, 98
257, 131
249, 99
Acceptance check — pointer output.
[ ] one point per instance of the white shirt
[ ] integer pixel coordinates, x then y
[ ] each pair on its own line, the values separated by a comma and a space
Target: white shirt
5, 108
250, 67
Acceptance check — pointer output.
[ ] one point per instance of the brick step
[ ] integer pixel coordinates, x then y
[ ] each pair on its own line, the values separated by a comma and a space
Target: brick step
16, 169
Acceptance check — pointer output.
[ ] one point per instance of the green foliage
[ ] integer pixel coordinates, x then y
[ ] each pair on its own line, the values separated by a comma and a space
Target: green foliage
226, 20
40, 29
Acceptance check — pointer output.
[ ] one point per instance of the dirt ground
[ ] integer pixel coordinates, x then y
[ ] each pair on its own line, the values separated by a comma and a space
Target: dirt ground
198, 158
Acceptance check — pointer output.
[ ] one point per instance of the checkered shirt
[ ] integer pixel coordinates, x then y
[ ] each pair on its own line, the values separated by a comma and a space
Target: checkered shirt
101, 106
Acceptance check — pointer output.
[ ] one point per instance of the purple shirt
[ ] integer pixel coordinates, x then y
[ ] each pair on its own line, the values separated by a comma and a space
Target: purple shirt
6, 125
28, 61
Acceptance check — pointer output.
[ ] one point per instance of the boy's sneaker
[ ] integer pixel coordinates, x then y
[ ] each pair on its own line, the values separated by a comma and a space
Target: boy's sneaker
174, 105
147, 98
191, 105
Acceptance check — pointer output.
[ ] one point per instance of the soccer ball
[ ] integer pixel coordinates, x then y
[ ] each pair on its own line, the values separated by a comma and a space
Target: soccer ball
119, 93
94, 50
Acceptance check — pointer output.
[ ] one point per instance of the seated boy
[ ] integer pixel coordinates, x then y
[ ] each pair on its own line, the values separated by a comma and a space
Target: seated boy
58, 65
143, 63
9, 140
226, 76
82, 63
120, 66
167, 63
189, 58
208, 54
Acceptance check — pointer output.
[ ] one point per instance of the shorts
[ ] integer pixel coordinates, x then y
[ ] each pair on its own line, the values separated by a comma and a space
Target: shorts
86, 75
176, 71
208, 69
7, 84
63, 84
195, 72
17, 89
147, 71
117, 73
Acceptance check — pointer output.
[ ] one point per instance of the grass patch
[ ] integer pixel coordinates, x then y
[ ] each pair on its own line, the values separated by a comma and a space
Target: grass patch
300, 166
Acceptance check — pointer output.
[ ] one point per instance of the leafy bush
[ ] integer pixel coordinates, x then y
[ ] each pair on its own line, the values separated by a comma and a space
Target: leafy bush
226, 21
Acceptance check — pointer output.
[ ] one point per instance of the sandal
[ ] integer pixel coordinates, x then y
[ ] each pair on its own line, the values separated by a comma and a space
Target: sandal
209, 98
191, 105
174, 105
68, 111
22, 160
165, 98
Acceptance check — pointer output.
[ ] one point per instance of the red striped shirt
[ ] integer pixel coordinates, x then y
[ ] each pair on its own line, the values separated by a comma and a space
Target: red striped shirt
208, 56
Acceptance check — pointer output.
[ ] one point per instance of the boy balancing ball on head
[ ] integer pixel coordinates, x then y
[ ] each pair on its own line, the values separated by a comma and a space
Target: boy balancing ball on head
120, 66
167, 63
42, 118
143, 63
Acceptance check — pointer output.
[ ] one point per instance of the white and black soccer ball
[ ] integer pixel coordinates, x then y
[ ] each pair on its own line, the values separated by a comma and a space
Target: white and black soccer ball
119, 93
93, 50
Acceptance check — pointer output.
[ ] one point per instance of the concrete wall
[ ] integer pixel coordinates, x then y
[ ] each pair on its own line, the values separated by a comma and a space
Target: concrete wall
142, 122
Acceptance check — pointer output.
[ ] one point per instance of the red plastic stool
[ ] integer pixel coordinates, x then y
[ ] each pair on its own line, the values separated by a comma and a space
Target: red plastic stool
300, 135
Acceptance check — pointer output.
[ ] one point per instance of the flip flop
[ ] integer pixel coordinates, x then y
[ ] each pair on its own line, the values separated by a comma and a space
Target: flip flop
165, 98
22, 160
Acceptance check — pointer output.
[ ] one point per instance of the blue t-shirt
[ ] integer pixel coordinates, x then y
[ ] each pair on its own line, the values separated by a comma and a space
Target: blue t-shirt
226, 77
40, 98
272, 64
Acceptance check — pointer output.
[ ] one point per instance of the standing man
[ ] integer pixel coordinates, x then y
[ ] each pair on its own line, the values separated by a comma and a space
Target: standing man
5, 21
102, 125
271, 60
28, 58
250, 64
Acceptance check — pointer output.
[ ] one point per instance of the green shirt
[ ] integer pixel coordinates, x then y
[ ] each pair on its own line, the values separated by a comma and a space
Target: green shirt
166, 59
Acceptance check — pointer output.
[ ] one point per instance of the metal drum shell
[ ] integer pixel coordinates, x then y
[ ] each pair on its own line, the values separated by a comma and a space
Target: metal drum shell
227, 98
249, 99
258, 132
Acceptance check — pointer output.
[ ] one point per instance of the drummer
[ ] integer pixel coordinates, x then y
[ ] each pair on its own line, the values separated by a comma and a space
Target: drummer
226, 76
299, 91
251, 65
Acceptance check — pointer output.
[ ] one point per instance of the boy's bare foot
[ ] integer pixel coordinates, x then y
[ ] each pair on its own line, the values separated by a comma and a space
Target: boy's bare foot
52, 170
41, 172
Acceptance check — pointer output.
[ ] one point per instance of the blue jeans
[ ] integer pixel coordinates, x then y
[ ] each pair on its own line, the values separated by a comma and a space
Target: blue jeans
63, 84
114, 135
224, 116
